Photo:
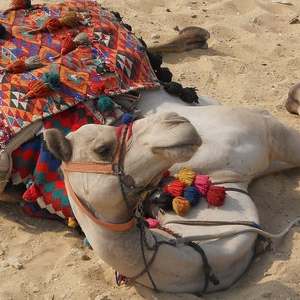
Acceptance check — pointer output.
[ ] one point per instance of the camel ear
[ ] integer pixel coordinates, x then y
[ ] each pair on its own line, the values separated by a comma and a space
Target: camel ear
58, 144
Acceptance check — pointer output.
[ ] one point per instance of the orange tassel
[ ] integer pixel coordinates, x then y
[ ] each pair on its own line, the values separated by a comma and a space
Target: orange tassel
181, 206
70, 20
37, 88
16, 67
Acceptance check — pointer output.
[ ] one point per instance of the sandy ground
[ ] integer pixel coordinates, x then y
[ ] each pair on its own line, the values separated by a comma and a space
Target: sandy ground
252, 60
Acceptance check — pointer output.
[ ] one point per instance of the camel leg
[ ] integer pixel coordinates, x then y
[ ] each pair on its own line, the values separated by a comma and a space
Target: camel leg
284, 143
188, 38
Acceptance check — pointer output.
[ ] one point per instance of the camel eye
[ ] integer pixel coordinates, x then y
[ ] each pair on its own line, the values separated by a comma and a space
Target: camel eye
104, 151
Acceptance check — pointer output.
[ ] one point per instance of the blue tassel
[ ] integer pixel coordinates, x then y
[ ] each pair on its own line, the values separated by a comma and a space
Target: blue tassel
127, 118
192, 194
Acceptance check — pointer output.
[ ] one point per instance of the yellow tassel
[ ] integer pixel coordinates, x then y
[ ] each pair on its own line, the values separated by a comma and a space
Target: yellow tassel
186, 176
181, 206
72, 223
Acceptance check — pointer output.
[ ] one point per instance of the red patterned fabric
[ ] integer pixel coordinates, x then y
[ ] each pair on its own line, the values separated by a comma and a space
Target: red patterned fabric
114, 62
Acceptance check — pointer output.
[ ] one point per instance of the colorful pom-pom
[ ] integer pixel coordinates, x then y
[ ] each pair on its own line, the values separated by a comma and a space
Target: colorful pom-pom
32, 193
186, 175
202, 183
216, 195
174, 188
72, 223
181, 206
152, 223
127, 118
105, 104
192, 194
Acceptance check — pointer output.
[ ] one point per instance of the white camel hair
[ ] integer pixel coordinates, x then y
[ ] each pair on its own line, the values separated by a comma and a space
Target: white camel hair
237, 145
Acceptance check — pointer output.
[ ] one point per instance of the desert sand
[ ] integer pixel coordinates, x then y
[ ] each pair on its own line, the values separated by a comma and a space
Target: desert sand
252, 60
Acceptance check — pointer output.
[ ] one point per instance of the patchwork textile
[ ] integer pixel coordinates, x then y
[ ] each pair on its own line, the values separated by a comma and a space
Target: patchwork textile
114, 62
34, 165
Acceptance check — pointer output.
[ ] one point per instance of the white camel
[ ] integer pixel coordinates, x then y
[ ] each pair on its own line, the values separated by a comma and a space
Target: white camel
237, 145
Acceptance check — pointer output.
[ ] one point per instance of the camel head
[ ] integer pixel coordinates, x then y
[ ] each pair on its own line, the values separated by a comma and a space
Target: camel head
292, 103
156, 143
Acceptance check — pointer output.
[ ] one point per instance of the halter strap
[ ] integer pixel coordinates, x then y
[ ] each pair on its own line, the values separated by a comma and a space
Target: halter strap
121, 227
113, 168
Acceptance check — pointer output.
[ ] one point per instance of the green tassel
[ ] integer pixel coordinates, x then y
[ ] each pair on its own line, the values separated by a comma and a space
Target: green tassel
104, 104
52, 79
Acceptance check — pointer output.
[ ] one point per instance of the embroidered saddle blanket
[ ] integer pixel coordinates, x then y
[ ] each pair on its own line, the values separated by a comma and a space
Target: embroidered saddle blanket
113, 58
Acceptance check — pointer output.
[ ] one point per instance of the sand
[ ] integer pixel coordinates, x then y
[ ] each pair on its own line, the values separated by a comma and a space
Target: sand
252, 60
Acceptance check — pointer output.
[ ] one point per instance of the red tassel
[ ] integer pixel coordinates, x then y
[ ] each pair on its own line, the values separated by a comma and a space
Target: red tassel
216, 195
32, 194
175, 188
37, 88
19, 66
68, 45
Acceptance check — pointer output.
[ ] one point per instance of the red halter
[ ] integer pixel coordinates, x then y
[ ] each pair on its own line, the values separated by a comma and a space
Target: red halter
115, 168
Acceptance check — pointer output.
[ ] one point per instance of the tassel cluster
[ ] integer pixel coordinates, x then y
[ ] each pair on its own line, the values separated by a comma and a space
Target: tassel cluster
70, 20
186, 191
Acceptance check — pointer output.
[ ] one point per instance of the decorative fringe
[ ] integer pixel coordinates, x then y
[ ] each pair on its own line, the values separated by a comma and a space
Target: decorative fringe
186, 176
181, 206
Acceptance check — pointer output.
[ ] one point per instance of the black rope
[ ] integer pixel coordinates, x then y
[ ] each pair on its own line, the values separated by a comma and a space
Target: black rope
208, 275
